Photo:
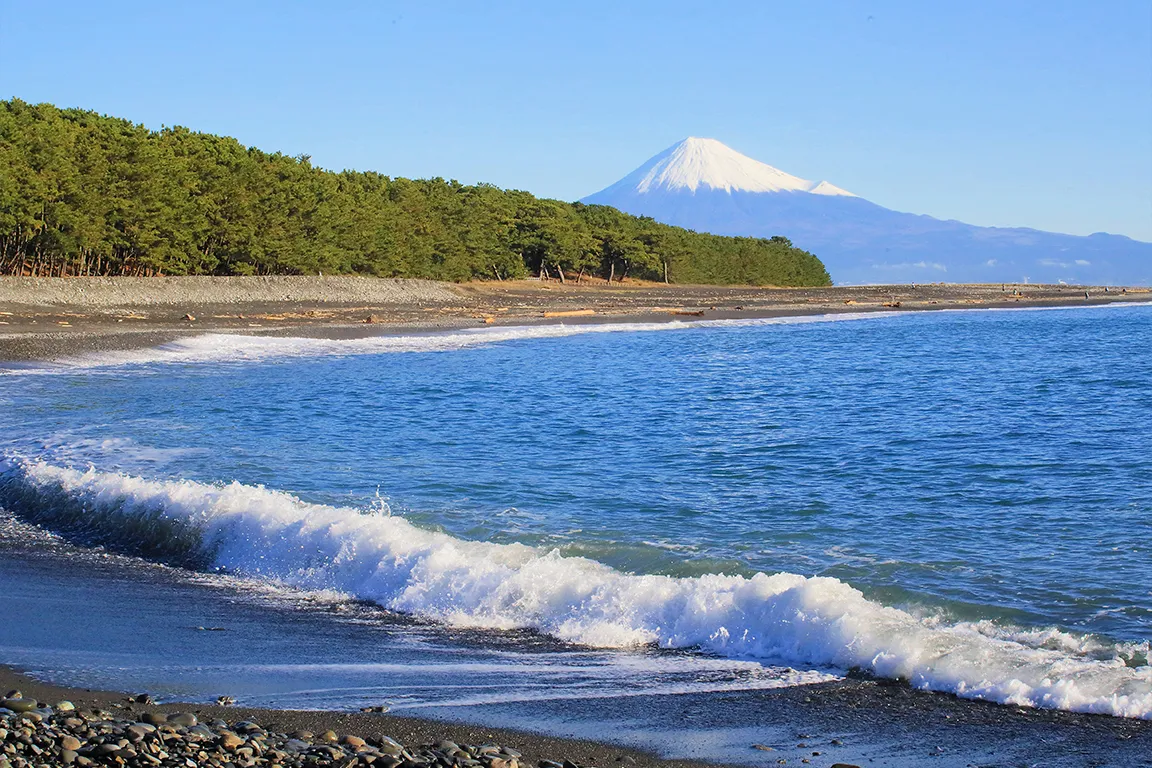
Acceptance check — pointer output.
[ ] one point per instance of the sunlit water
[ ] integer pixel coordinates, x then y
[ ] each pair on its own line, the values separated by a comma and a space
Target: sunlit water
972, 492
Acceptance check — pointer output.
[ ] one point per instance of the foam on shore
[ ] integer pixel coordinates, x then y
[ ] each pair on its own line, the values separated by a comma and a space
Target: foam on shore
781, 618
240, 348
224, 347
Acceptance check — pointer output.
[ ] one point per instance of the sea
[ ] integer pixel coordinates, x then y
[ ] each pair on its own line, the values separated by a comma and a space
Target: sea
642, 533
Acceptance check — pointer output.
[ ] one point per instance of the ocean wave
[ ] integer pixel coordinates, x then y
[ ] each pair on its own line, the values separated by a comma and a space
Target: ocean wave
223, 347
240, 348
779, 618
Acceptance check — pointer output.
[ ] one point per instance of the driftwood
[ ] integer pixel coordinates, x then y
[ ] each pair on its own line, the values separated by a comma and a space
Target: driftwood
571, 313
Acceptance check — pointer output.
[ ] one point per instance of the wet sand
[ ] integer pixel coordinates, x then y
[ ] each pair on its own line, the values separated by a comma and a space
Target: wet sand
45, 318
856, 721
406, 730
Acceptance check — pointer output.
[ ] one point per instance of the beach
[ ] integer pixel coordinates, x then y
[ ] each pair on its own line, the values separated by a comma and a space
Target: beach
767, 616
529, 748
852, 723
57, 317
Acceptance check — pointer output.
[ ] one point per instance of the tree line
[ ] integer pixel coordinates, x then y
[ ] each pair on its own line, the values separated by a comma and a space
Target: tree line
87, 194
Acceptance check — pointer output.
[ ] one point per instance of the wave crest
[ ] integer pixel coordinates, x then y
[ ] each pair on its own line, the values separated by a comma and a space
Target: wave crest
783, 617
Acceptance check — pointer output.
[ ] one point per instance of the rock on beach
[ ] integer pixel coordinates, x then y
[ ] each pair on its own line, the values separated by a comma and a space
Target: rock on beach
32, 735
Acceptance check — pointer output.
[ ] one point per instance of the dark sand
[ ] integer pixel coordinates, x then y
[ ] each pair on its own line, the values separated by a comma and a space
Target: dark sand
875, 723
406, 730
858, 722
45, 318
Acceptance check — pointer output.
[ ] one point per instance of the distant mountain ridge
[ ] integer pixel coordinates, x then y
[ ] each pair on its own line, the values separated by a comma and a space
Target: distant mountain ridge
704, 185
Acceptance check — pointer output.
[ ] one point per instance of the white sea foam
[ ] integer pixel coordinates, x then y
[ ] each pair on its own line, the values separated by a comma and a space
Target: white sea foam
781, 618
240, 348
229, 347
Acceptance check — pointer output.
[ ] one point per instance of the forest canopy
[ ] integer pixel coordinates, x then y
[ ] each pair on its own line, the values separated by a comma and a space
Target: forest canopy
87, 194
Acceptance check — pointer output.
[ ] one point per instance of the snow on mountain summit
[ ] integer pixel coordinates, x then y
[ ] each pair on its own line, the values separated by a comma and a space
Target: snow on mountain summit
702, 185
694, 163
824, 188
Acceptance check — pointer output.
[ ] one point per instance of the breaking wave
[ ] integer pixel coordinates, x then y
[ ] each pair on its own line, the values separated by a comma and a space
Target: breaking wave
238, 348
779, 618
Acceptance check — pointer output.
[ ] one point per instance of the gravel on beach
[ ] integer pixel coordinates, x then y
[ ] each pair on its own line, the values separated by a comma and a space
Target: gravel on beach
104, 292
80, 721
32, 734
54, 318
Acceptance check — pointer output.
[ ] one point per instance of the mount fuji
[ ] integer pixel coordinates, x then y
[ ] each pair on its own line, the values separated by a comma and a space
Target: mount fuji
702, 184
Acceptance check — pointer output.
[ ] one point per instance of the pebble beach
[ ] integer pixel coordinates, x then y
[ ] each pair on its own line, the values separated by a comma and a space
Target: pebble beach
58, 317
39, 727
573, 720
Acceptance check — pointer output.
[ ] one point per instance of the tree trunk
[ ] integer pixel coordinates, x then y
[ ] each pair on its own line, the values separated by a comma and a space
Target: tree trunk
497, 273
560, 272
665, 272
611, 273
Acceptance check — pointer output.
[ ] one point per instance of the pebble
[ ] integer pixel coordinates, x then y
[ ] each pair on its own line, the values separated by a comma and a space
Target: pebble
390, 746
202, 731
97, 738
140, 730
18, 704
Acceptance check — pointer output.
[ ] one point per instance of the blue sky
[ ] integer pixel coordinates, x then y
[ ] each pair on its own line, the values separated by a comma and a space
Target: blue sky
1022, 113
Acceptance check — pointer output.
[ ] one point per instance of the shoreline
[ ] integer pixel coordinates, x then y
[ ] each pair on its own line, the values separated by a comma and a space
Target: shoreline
846, 724
866, 721
858, 720
53, 318
409, 731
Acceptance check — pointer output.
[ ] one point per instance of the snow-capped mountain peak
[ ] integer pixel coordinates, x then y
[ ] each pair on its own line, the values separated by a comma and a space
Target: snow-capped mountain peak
695, 163
702, 185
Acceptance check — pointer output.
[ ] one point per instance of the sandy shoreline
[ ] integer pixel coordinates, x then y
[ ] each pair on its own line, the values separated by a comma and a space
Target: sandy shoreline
46, 318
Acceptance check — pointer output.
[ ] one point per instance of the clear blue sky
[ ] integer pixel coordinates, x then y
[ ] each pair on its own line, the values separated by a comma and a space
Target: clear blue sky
999, 113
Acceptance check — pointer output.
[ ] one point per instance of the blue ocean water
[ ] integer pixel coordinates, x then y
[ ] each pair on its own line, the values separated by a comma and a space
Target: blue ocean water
959, 499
